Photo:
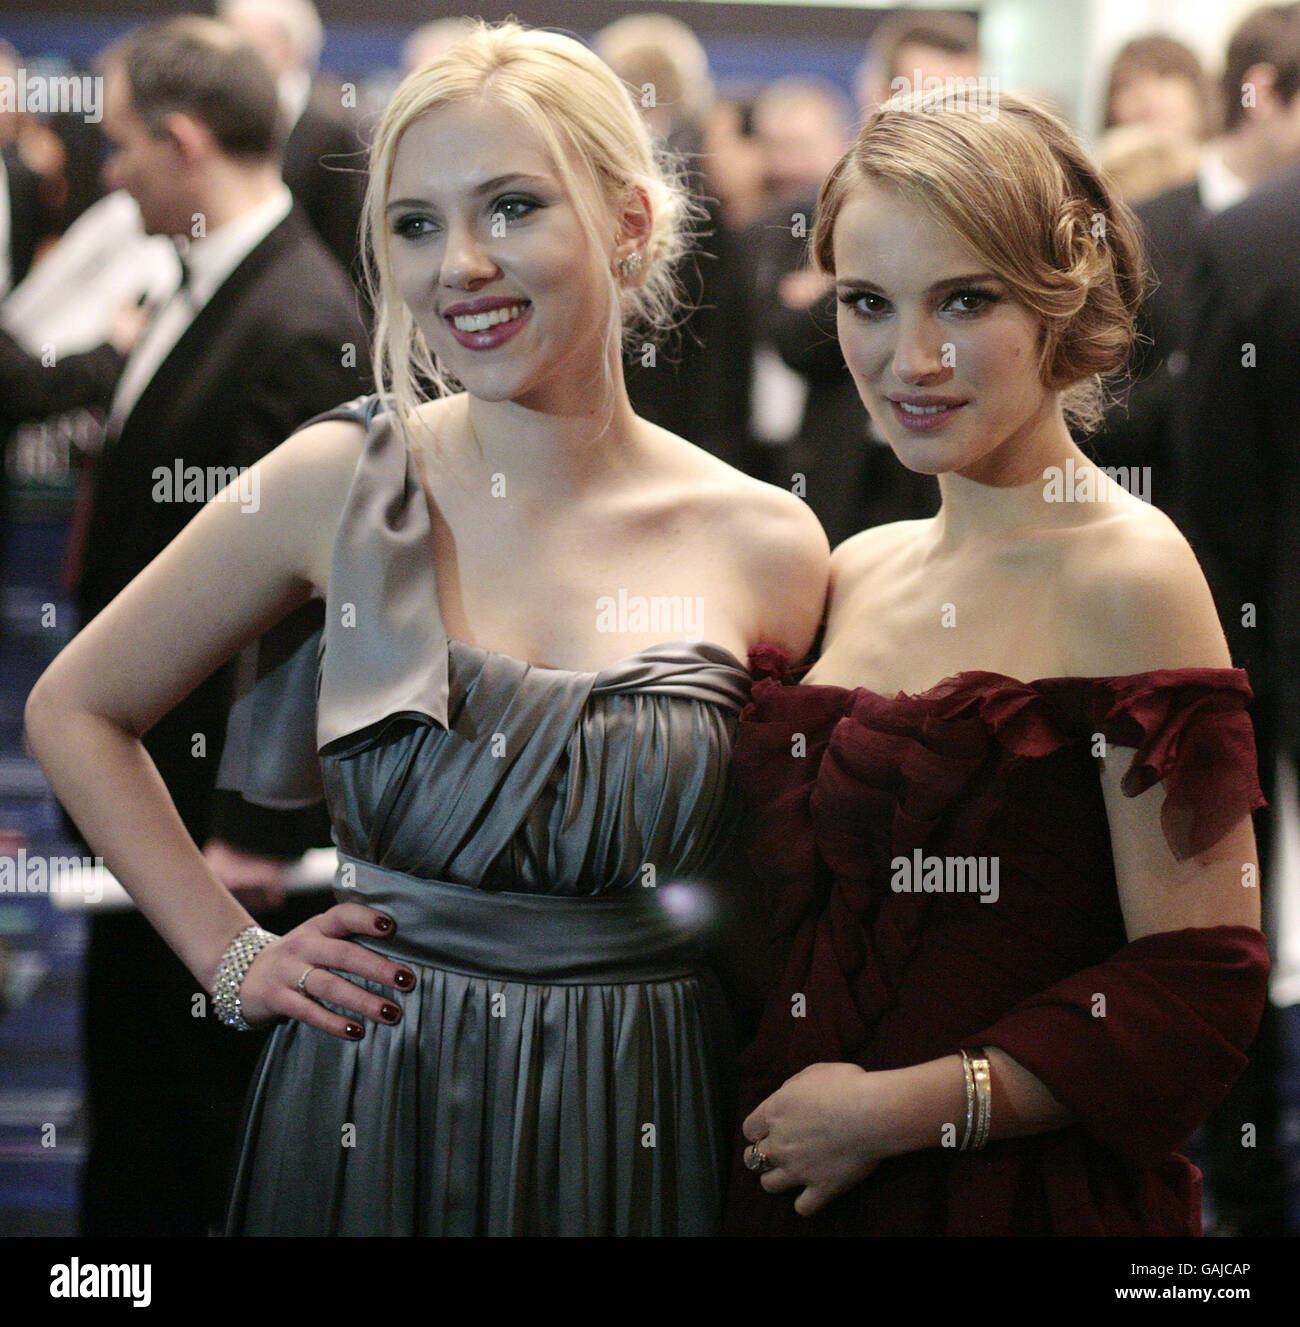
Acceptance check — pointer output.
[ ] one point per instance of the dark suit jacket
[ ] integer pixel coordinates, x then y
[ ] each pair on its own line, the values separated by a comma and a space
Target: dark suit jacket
698, 384
1237, 432
1138, 430
324, 166
852, 481
29, 218
31, 389
264, 354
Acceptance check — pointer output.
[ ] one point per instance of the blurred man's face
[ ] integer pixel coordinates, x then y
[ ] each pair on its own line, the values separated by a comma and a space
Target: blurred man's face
801, 142
146, 165
913, 59
267, 36
1275, 122
1288, 133
934, 63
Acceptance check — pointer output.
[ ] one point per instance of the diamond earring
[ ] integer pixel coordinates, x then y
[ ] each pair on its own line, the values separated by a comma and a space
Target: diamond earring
629, 265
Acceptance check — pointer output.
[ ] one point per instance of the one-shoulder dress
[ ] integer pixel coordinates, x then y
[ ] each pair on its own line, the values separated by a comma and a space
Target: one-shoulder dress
939, 874
552, 845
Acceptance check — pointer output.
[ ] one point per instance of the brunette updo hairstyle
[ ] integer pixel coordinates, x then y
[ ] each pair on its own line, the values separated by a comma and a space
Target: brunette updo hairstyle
600, 148
1017, 188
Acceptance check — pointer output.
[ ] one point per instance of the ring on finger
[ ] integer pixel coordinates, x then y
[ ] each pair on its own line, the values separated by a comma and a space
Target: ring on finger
755, 1160
301, 983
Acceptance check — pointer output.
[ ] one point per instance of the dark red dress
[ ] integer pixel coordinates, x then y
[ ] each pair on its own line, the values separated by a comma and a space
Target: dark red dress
984, 765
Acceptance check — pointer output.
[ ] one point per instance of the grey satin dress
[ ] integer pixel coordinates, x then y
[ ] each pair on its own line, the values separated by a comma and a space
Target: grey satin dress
551, 845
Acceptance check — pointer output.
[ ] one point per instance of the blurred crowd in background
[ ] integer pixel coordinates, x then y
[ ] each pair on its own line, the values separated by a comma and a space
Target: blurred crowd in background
753, 372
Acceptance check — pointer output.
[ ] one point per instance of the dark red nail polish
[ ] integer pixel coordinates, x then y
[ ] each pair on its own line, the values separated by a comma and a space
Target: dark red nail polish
404, 980
383, 925
355, 1031
390, 1013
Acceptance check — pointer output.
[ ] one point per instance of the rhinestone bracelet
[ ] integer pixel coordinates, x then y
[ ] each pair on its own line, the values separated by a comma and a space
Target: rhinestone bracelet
235, 962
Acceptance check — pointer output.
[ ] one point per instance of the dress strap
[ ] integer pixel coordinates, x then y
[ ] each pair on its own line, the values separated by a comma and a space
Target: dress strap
384, 635
381, 627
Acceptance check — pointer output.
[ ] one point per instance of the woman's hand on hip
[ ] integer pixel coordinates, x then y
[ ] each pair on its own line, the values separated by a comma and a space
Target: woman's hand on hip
291, 975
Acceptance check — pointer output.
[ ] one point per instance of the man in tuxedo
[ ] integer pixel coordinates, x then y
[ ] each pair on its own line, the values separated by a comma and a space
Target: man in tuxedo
1260, 99
806, 408
261, 334
852, 479
1236, 431
324, 161
696, 382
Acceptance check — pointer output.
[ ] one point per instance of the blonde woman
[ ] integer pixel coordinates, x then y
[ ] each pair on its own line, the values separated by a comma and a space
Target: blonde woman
537, 611
1005, 821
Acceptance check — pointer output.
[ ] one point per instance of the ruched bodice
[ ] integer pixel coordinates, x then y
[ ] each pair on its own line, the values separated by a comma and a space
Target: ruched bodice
563, 1064
941, 875
550, 781
444, 759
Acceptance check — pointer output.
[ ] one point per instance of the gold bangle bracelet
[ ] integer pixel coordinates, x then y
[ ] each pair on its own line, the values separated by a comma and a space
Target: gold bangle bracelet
984, 1099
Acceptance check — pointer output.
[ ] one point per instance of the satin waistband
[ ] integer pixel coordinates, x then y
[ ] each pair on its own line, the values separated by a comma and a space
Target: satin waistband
540, 938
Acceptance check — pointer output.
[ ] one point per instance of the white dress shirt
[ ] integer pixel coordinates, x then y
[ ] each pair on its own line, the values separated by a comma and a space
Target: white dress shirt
210, 260
1219, 187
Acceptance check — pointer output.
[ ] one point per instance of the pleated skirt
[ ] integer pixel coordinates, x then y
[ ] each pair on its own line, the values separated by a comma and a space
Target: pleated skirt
562, 1067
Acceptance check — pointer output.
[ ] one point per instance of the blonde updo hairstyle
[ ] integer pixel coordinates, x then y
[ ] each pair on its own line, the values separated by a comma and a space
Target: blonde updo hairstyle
1018, 190
600, 148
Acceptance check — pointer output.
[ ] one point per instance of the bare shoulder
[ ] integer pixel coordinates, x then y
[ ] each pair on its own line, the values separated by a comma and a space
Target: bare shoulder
872, 552
1137, 599
313, 470
770, 523
784, 556
774, 541
761, 520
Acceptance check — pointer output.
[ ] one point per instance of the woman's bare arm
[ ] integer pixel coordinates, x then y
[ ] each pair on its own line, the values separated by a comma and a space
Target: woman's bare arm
228, 577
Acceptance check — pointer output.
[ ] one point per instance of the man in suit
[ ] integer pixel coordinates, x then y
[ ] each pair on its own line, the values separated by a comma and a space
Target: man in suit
324, 161
1237, 452
1236, 432
261, 334
851, 478
1260, 98
806, 408
696, 382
